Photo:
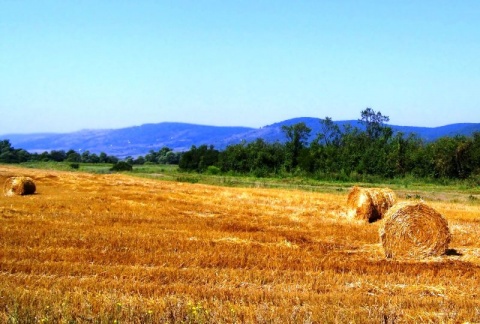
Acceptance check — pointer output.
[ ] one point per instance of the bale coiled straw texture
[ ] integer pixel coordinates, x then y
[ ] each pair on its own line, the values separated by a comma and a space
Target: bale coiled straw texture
414, 230
369, 204
19, 186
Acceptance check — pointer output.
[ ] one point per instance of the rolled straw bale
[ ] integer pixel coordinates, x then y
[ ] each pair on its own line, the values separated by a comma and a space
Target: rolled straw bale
383, 199
19, 186
359, 204
414, 230
369, 204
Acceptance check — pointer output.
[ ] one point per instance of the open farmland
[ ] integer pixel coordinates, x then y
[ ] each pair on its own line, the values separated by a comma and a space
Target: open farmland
100, 248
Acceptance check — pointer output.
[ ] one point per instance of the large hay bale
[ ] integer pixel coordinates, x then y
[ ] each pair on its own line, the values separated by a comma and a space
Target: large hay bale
19, 186
414, 230
369, 204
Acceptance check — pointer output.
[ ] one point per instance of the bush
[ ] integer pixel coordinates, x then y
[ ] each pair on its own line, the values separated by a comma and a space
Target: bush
213, 170
260, 172
121, 166
75, 166
473, 181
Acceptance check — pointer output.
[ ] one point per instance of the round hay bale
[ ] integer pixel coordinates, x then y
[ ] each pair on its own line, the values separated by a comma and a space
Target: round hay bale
369, 204
359, 204
414, 230
382, 199
19, 186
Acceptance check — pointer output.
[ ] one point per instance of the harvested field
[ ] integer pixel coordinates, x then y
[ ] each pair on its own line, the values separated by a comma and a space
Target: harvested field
100, 248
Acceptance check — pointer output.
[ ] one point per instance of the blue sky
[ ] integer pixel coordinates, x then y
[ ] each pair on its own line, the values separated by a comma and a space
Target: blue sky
71, 65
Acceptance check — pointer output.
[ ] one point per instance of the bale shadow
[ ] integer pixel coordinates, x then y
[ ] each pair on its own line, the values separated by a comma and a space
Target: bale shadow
452, 252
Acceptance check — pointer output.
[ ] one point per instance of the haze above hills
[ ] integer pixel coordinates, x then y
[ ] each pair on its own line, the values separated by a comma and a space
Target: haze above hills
139, 140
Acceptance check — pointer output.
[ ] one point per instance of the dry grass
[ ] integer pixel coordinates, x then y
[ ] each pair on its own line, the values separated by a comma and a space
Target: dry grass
100, 248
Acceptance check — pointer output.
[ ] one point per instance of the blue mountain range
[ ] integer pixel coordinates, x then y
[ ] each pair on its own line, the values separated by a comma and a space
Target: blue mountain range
139, 140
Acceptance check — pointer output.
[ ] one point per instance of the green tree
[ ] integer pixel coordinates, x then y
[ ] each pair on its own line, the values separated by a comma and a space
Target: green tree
140, 160
443, 161
464, 159
103, 157
151, 157
86, 156
58, 155
44, 156
475, 153
111, 159
73, 156
234, 158
323, 152
330, 133
7, 152
129, 159
264, 158
22, 155
297, 139
172, 157
405, 155
198, 159
373, 122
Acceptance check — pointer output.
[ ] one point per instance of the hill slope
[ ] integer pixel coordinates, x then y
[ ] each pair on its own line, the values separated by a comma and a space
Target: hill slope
138, 140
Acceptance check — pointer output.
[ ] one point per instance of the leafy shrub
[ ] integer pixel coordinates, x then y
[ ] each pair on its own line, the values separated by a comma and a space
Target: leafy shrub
473, 181
75, 166
121, 166
260, 172
213, 170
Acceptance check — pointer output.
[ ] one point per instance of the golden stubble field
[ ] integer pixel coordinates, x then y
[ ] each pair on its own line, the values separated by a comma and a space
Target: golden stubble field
115, 248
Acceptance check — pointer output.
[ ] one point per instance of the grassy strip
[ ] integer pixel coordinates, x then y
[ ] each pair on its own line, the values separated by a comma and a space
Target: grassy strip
408, 187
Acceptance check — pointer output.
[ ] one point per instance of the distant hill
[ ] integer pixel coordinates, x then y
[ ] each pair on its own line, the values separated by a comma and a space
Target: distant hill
139, 140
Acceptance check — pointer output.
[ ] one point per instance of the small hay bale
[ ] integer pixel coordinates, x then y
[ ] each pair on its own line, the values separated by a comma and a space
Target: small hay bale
369, 204
359, 204
383, 199
19, 186
414, 230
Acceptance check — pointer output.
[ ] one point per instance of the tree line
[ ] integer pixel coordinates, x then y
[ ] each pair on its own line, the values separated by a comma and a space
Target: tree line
344, 153
8, 154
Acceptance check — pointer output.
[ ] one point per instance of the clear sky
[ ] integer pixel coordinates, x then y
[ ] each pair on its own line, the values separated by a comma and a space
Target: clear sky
71, 65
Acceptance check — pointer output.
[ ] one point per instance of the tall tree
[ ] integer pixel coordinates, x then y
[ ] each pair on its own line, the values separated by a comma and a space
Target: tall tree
198, 159
330, 133
373, 122
297, 138
7, 152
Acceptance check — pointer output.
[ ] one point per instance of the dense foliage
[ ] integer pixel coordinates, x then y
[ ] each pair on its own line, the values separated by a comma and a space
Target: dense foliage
336, 153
